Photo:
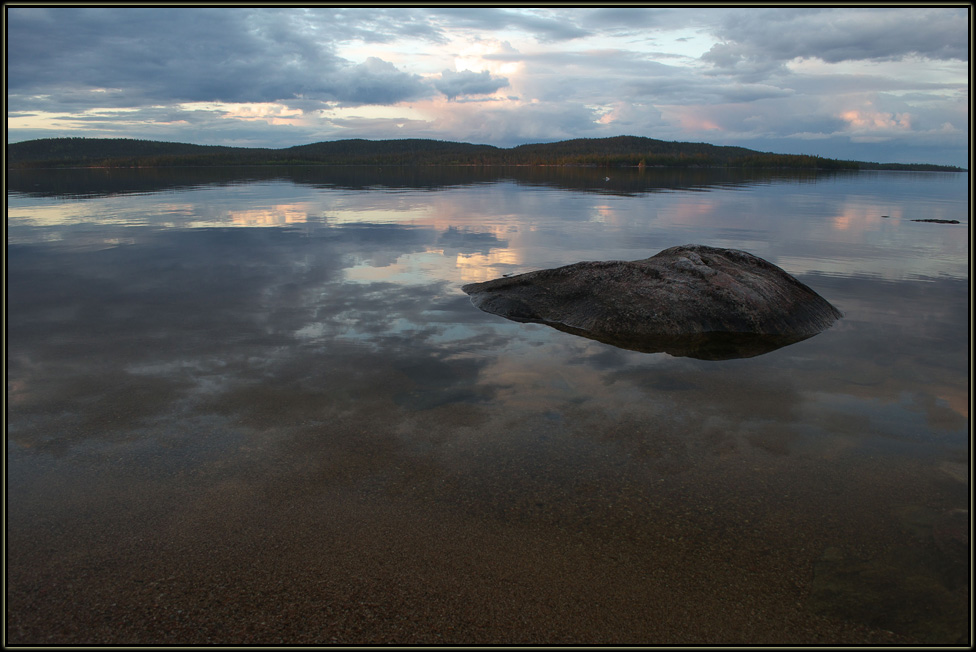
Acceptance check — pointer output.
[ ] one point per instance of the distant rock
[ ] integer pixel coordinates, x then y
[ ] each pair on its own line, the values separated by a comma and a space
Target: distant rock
692, 300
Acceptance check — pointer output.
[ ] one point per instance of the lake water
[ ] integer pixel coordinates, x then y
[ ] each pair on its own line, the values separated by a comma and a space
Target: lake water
253, 405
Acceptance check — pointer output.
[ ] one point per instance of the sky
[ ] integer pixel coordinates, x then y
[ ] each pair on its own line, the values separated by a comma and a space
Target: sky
887, 84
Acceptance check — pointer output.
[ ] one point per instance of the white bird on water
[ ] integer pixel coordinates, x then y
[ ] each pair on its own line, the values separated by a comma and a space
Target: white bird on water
606, 178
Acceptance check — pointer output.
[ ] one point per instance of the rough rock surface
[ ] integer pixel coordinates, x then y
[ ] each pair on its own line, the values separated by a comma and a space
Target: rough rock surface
691, 300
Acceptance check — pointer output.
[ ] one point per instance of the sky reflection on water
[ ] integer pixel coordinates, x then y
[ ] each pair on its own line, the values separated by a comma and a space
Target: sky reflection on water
268, 271
318, 333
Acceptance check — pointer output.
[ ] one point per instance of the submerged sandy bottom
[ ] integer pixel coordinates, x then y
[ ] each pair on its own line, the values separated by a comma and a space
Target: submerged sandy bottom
370, 529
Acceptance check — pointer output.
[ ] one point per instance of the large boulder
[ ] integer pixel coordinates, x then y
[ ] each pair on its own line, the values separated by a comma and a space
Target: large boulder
691, 300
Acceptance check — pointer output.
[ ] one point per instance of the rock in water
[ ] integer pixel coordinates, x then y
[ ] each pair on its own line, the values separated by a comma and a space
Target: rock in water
691, 300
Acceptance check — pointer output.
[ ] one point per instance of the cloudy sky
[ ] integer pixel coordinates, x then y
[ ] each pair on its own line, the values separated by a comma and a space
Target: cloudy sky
877, 83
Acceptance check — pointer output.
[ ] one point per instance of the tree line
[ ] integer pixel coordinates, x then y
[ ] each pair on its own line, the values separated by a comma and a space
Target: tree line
620, 151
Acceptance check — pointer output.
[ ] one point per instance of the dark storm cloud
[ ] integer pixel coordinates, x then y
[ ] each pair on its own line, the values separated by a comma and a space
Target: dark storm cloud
135, 57
628, 19
678, 90
744, 62
599, 76
453, 84
757, 42
372, 25
375, 82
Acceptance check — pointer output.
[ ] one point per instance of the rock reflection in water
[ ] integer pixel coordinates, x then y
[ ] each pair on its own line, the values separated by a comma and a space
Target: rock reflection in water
702, 346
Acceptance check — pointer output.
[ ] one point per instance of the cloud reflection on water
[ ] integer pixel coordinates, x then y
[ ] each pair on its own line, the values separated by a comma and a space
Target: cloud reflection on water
181, 314
165, 318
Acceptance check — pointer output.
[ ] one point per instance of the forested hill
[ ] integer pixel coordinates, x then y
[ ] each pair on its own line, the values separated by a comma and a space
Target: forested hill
89, 150
619, 151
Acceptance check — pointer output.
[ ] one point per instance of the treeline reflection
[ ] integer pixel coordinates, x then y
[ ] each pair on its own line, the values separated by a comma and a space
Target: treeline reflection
102, 182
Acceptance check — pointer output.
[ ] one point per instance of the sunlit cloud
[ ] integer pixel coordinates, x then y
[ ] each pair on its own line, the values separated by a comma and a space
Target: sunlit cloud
272, 113
859, 119
690, 119
611, 115
484, 55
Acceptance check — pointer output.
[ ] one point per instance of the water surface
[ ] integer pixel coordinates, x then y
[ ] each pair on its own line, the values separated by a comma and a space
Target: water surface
250, 405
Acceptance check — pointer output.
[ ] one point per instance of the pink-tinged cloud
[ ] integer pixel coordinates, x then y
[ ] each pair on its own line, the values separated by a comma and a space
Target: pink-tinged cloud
690, 119
872, 120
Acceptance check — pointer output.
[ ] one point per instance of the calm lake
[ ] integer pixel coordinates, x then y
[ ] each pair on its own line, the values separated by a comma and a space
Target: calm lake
254, 406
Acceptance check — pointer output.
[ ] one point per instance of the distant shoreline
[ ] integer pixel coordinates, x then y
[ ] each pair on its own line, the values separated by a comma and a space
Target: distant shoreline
888, 167
605, 153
